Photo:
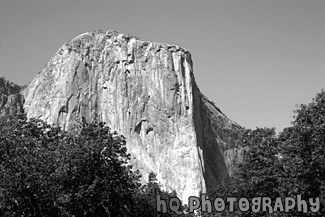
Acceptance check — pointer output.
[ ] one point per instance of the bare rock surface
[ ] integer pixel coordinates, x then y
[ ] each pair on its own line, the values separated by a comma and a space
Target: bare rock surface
145, 91
11, 101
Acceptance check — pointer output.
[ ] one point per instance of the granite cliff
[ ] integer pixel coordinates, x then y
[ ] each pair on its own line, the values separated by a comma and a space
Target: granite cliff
146, 91
11, 100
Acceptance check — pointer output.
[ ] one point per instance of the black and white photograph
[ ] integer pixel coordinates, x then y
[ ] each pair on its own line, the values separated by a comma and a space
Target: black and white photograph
162, 108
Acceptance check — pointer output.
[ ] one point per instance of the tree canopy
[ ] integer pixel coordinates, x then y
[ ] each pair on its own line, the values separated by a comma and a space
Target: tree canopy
48, 172
285, 165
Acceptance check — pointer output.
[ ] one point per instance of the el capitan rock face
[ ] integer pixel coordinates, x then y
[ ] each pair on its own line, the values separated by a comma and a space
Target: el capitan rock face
145, 91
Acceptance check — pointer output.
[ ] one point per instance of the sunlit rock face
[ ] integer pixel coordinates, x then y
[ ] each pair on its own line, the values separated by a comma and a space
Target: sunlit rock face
11, 101
145, 91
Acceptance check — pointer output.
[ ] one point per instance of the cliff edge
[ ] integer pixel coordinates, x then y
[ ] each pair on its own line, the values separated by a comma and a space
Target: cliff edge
145, 91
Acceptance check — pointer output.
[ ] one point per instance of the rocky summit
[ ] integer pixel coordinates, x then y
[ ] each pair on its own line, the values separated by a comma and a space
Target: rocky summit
145, 91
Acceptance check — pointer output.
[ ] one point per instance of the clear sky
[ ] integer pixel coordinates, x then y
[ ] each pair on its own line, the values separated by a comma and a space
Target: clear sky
256, 59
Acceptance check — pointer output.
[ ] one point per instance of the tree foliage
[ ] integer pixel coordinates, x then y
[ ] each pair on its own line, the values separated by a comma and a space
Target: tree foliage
48, 172
285, 165
259, 174
303, 149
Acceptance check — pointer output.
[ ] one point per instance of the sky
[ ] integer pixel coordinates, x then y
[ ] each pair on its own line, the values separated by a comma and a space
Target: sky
256, 59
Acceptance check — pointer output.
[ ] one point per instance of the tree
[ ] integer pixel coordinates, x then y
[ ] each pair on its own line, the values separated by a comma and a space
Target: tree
260, 172
48, 172
261, 169
303, 149
145, 200
287, 165
27, 167
97, 181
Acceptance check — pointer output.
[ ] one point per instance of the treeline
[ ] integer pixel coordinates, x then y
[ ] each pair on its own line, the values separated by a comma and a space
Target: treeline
48, 172
290, 164
45, 171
